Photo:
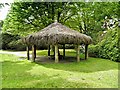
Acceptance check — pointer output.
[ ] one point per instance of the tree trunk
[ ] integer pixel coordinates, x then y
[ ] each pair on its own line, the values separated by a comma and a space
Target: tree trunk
53, 12
85, 28
28, 56
56, 54
58, 18
86, 51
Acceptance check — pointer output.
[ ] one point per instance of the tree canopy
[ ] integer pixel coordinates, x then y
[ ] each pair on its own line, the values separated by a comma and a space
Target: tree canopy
28, 17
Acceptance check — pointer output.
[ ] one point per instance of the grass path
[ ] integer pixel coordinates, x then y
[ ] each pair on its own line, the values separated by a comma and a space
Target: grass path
93, 73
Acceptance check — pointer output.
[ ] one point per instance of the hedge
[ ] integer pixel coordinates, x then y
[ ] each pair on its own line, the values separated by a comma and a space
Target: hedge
108, 48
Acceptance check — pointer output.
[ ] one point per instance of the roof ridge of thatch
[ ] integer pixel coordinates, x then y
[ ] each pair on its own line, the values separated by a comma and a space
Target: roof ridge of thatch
58, 33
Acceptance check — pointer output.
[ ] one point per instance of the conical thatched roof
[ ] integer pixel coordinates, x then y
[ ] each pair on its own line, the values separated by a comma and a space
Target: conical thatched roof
56, 33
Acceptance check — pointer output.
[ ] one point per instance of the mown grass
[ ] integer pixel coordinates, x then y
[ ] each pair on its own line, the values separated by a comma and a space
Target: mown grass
92, 73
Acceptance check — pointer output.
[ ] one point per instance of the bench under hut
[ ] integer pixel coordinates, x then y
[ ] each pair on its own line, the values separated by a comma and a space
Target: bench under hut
56, 34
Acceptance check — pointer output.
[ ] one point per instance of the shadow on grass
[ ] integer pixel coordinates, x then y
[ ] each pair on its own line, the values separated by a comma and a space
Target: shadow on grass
90, 65
70, 64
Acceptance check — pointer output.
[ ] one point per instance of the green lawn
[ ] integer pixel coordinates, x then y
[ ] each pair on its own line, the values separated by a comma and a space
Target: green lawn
92, 73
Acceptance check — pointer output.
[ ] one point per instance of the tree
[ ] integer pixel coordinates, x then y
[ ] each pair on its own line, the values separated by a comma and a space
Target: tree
25, 18
91, 16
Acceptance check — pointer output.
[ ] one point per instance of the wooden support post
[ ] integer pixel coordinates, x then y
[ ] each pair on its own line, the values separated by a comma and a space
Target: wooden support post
56, 54
49, 50
63, 51
53, 49
78, 53
33, 52
27, 48
86, 51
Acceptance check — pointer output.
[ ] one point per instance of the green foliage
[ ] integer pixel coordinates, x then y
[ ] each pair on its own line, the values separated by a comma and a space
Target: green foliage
94, 50
108, 47
28, 17
11, 42
17, 45
6, 39
90, 16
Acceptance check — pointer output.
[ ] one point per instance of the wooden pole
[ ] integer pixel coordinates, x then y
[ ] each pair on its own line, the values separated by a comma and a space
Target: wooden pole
56, 54
35, 50
86, 51
49, 50
78, 53
33, 53
27, 48
53, 49
63, 51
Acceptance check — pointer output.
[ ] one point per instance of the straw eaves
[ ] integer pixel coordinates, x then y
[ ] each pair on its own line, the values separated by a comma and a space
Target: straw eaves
56, 33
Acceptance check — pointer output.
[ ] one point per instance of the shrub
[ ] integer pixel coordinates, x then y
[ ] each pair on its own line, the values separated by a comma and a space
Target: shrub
108, 47
93, 50
6, 39
11, 42
17, 45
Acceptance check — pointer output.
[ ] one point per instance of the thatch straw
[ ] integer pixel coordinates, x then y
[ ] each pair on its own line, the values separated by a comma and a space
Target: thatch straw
57, 33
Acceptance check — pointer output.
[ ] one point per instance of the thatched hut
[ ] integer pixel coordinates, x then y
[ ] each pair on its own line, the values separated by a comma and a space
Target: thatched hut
55, 34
